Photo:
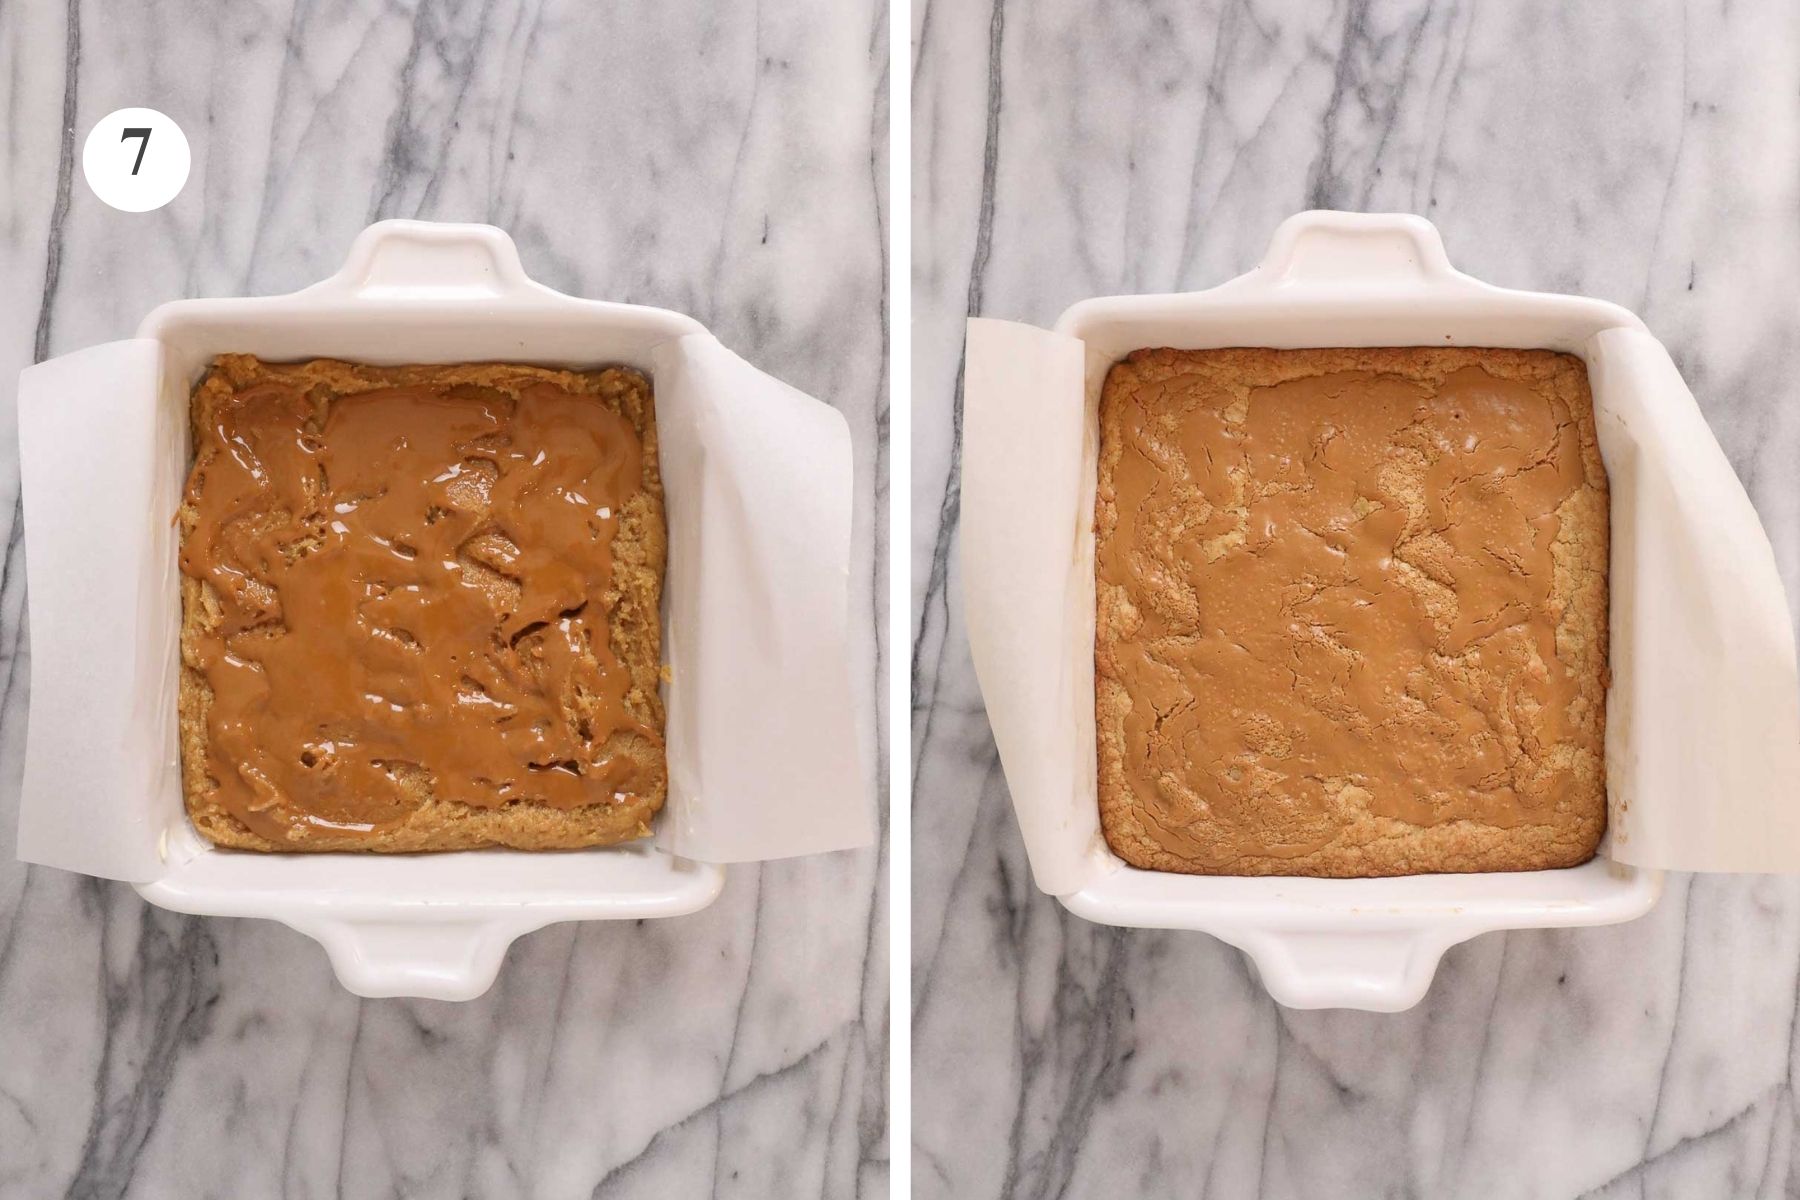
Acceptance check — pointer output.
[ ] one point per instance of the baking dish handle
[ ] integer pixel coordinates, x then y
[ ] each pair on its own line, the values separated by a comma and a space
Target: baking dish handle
431, 261
430, 959
1375, 970
1322, 250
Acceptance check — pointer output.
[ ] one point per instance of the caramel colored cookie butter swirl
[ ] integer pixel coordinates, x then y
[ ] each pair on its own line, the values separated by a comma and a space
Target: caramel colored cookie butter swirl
1352, 621
407, 597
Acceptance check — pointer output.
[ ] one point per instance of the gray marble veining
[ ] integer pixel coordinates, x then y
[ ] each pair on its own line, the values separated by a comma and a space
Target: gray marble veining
727, 161
1644, 153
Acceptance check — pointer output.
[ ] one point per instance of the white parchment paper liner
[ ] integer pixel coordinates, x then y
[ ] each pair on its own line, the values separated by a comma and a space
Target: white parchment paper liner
1703, 728
763, 753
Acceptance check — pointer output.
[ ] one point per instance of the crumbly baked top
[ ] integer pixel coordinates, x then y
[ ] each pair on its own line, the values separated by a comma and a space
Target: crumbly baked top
421, 606
1351, 611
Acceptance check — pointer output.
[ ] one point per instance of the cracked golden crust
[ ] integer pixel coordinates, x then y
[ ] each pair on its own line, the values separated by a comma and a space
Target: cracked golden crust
1351, 611
632, 604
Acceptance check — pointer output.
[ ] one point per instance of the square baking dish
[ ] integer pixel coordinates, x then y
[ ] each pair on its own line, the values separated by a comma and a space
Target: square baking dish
429, 925
1328, 280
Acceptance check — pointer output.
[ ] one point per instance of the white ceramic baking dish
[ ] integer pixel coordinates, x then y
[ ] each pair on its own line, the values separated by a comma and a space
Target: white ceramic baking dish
438, 925
1328, 279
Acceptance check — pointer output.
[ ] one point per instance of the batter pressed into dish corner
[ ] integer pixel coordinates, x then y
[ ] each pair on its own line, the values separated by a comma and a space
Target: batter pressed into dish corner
1351, 611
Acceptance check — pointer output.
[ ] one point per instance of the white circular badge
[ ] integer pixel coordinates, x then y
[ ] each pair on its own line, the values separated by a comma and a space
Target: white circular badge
136, 159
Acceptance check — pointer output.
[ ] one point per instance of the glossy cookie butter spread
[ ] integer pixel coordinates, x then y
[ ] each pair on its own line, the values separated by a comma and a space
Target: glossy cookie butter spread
420, 607
1351, 611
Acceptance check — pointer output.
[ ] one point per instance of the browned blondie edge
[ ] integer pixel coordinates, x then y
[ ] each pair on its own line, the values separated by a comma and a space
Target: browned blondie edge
633, 609
1579, 554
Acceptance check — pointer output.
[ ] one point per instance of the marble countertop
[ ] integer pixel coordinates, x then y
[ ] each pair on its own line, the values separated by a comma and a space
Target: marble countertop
1640, 153
718, 160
